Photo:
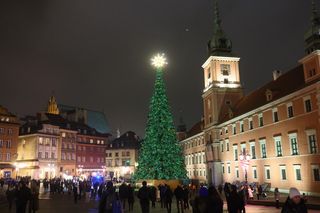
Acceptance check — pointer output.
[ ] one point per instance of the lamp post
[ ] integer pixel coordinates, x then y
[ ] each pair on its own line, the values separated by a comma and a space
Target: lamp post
245, 158
51, 168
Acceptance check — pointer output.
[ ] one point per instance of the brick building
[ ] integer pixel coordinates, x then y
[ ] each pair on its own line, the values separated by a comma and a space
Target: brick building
9, 132
277, 125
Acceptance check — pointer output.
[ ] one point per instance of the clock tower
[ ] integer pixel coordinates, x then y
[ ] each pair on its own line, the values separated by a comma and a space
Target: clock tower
222, 90
222, 87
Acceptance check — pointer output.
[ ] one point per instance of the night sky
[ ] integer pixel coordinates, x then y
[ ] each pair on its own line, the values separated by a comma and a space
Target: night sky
96, 54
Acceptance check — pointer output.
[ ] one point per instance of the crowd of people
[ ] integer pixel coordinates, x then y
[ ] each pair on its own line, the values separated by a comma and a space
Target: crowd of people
25, 194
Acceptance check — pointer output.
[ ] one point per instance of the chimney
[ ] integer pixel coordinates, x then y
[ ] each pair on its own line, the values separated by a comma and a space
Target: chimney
276, 74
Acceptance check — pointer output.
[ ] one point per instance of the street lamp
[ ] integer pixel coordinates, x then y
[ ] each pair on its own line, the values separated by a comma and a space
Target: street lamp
245, 158
51, 168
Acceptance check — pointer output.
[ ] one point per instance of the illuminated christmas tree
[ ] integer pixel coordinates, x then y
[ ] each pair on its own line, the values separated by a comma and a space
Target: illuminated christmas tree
160, 154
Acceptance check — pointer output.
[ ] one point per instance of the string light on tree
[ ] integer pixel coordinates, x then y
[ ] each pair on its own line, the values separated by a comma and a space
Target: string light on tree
159, 61
160, 155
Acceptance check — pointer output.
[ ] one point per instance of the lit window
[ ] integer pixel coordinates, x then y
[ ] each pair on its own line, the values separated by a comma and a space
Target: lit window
315, 172
267, 172
307, 105
235, 152
254, 171
283, 173
293, 144
290, 110
260, 116
241, 126
275, 115
234, 129
263, 148
253, 149
278, 146
250, 123
297, 171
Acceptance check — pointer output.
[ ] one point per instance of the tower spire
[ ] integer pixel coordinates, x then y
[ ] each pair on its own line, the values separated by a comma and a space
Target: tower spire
53, 106
219, 44
312, 38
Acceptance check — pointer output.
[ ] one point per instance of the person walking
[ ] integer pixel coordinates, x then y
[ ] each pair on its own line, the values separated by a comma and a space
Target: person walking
214, 201
34, 201
10, 193
234, 200
277, 197
168, 198
259, 191
130, 197
294, 202
123, 194
109, 200
242, 199
75, 192
186, 197
178, 192
22, 195
143, 195
153, 196
162, 190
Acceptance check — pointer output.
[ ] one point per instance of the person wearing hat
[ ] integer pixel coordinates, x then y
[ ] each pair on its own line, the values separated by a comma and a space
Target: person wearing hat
294, 202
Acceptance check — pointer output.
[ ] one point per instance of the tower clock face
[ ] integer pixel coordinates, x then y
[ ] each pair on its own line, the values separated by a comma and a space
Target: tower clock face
225, 69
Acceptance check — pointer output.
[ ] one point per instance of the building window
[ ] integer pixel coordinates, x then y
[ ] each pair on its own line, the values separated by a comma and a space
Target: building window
91, 140
53, 155
241, 126
229, 170
237, 172
63, 134
39, 154
260, 116
1, 130
250, 123
8, 157
293, 144
10, 131
63, 156
46, 155
40, 140
221, 146
91, 159
275, 115
235, 152
243, 147
278, 146
283, 173
234, 129
312, 144
83, 159
8, 145
297, 171
225, 69
227, 145
79, 159
1, 143
267, 172
254, 171
307, 105
253, 150
315, 172
290, 110
263, 149
222, 168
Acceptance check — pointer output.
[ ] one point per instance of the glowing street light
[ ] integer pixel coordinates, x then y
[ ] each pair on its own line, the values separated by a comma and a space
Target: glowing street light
244, 162
159, 61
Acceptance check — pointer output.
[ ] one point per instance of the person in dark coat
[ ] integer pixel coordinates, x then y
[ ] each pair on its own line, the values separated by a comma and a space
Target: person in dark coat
153, 196
75, 193
186, 197
178, 192
242, 199
227, 193
10, 193
234, 200
162, 190
168, 198
130, 197
108, 199
199, 204
144, 197
214, 201
294, 202
34, 201
123, 194
23, 195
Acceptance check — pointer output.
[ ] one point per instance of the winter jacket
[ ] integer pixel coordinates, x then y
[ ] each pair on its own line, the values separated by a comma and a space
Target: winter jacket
290, 207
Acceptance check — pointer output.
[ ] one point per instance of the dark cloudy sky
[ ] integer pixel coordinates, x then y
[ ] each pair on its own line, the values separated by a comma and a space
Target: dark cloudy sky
96, 53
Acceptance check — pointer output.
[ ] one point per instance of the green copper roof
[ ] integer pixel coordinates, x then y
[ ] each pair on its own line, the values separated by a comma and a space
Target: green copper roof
312, 36
219, 44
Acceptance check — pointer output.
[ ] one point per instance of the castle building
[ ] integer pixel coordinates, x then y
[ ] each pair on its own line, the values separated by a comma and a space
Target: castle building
270, 135
9, 131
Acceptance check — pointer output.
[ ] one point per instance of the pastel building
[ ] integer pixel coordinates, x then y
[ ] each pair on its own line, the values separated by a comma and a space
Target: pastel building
275, 127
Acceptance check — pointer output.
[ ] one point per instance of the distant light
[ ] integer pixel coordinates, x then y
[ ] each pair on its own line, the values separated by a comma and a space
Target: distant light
159, 61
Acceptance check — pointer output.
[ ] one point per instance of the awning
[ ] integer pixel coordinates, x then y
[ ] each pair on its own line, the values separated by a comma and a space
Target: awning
6, 166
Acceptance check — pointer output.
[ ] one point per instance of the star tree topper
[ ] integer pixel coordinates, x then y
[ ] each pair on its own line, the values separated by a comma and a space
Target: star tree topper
159, 61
